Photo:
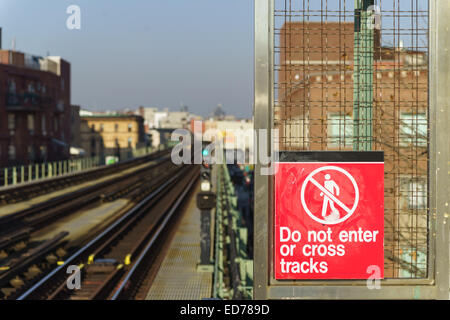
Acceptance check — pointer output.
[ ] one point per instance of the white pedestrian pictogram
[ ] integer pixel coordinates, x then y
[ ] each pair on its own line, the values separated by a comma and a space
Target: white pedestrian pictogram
331, 193
333, 188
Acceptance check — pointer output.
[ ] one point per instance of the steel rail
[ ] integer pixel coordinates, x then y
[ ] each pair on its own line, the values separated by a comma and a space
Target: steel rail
131, 238
151, 242
34, 254
23, 234
26, 218
103, 236
113, 248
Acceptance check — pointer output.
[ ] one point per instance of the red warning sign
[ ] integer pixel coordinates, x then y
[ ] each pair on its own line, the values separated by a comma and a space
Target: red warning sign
329, 220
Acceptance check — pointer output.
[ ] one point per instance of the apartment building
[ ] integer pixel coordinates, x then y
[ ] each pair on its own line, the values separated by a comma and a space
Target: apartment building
35, 97
112, 135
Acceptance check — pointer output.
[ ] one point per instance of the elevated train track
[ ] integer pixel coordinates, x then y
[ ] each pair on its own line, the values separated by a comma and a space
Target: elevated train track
17, 228
24, 262
114, 264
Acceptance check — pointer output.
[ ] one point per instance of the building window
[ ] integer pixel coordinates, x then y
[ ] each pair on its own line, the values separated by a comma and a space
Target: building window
12, 87
413, 129
116, 127
30, 88
30, 123
60, 105
130, 127
56, 124
11, 121
340, 130
31, 153
101, 127
43, 125
296, 132
11, 152
130, 142
414, 262
413, 193
43, 152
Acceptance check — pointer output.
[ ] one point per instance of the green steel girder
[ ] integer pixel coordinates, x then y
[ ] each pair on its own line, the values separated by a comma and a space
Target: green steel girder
227, 213
363, 76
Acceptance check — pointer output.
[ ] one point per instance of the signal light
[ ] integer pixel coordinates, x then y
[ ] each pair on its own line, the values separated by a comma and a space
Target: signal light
205, 152
205, 186
206, 175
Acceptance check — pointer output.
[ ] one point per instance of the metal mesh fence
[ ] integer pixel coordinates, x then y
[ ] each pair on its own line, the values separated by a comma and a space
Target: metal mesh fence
353, 75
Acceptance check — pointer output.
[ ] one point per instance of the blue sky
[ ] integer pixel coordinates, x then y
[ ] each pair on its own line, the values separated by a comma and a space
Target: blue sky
157, 53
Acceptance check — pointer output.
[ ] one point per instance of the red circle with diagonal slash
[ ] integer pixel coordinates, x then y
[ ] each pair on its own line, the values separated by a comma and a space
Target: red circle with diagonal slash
313, 194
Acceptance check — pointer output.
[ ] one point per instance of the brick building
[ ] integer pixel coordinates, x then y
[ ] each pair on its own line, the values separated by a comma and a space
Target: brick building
75, 126
314, 94
34, 108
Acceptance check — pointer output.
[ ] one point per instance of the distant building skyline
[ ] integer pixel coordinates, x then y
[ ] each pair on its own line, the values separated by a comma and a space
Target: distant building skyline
144, 53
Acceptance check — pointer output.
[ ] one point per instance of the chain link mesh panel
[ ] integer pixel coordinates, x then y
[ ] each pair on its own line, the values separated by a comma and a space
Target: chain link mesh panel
353, 75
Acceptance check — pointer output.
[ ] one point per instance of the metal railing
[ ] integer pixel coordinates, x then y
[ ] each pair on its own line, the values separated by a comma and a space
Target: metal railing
11, 176
27, 173
230, 244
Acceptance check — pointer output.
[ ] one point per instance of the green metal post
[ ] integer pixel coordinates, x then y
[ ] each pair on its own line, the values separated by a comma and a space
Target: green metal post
22, 174
228, 217
14, 176
363, 76
30, 173
218, 238
6, 176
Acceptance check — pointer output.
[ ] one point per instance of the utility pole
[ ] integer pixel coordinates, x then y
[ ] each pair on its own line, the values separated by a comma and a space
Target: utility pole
363, 75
